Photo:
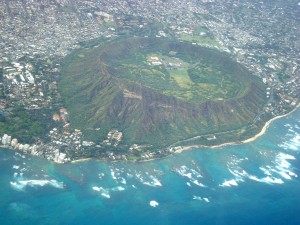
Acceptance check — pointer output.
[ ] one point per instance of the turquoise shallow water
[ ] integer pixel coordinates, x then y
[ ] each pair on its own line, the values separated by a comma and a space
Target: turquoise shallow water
255, 183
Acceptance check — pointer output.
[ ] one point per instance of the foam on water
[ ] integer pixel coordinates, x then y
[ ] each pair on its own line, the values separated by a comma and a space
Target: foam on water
195, 197
129, 175
206, 199
16, 167
118, 175
123, 180
262, 167
95, 188
112, 173
234, 166
285, 175
103, 192
153, 203
148, 179
154, 181
271, 180
279, 167
229, 183
266, 171
105, 195
293, 139
23, 169
119, 188
193, 175
252, 177
281, 157
283, 167
198, 183
22, 184
101, 176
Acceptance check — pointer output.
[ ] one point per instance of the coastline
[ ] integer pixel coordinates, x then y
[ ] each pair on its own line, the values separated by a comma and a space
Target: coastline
81, 160
6, 147
263, 130
191, 147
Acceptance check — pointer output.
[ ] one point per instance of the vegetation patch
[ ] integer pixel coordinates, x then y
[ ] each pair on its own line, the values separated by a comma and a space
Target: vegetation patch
158, 91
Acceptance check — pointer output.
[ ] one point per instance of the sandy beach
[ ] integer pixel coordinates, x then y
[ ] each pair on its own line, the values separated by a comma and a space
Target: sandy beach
263, 130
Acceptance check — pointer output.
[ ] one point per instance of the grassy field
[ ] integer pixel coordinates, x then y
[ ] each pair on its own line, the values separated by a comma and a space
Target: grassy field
191, 77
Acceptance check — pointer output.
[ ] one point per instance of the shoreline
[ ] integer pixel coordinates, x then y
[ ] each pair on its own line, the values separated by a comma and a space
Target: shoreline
6, 147
259, 134
191, 147
81, 160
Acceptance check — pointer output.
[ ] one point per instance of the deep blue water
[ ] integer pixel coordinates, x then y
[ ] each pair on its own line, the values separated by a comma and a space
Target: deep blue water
254, 183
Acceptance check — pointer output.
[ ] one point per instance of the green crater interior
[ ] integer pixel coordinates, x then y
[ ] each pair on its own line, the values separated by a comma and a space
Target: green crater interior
177, 69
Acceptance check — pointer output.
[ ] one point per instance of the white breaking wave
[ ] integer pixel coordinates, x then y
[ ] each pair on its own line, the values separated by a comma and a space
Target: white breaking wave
294, 142
153, 203
95, 188
267, 180
229, 183
118, 175
101, 176
198, 183
192, 174
206, 199
105, 195
112, 173
271, 180
123, 180
285, 175
234, 167
195, 197
22, 184
281, 167
103, 192
275, 173
122, 176
16, 167
266, 171
149, 180
118, 188
154, 182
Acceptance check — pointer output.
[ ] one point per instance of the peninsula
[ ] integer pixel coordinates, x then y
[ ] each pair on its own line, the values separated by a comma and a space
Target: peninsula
155, 92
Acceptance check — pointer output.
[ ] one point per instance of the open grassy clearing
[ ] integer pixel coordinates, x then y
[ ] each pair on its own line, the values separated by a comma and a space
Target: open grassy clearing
186, 76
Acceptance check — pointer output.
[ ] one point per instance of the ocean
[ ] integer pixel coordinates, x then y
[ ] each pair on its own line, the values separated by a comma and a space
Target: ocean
253, 183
